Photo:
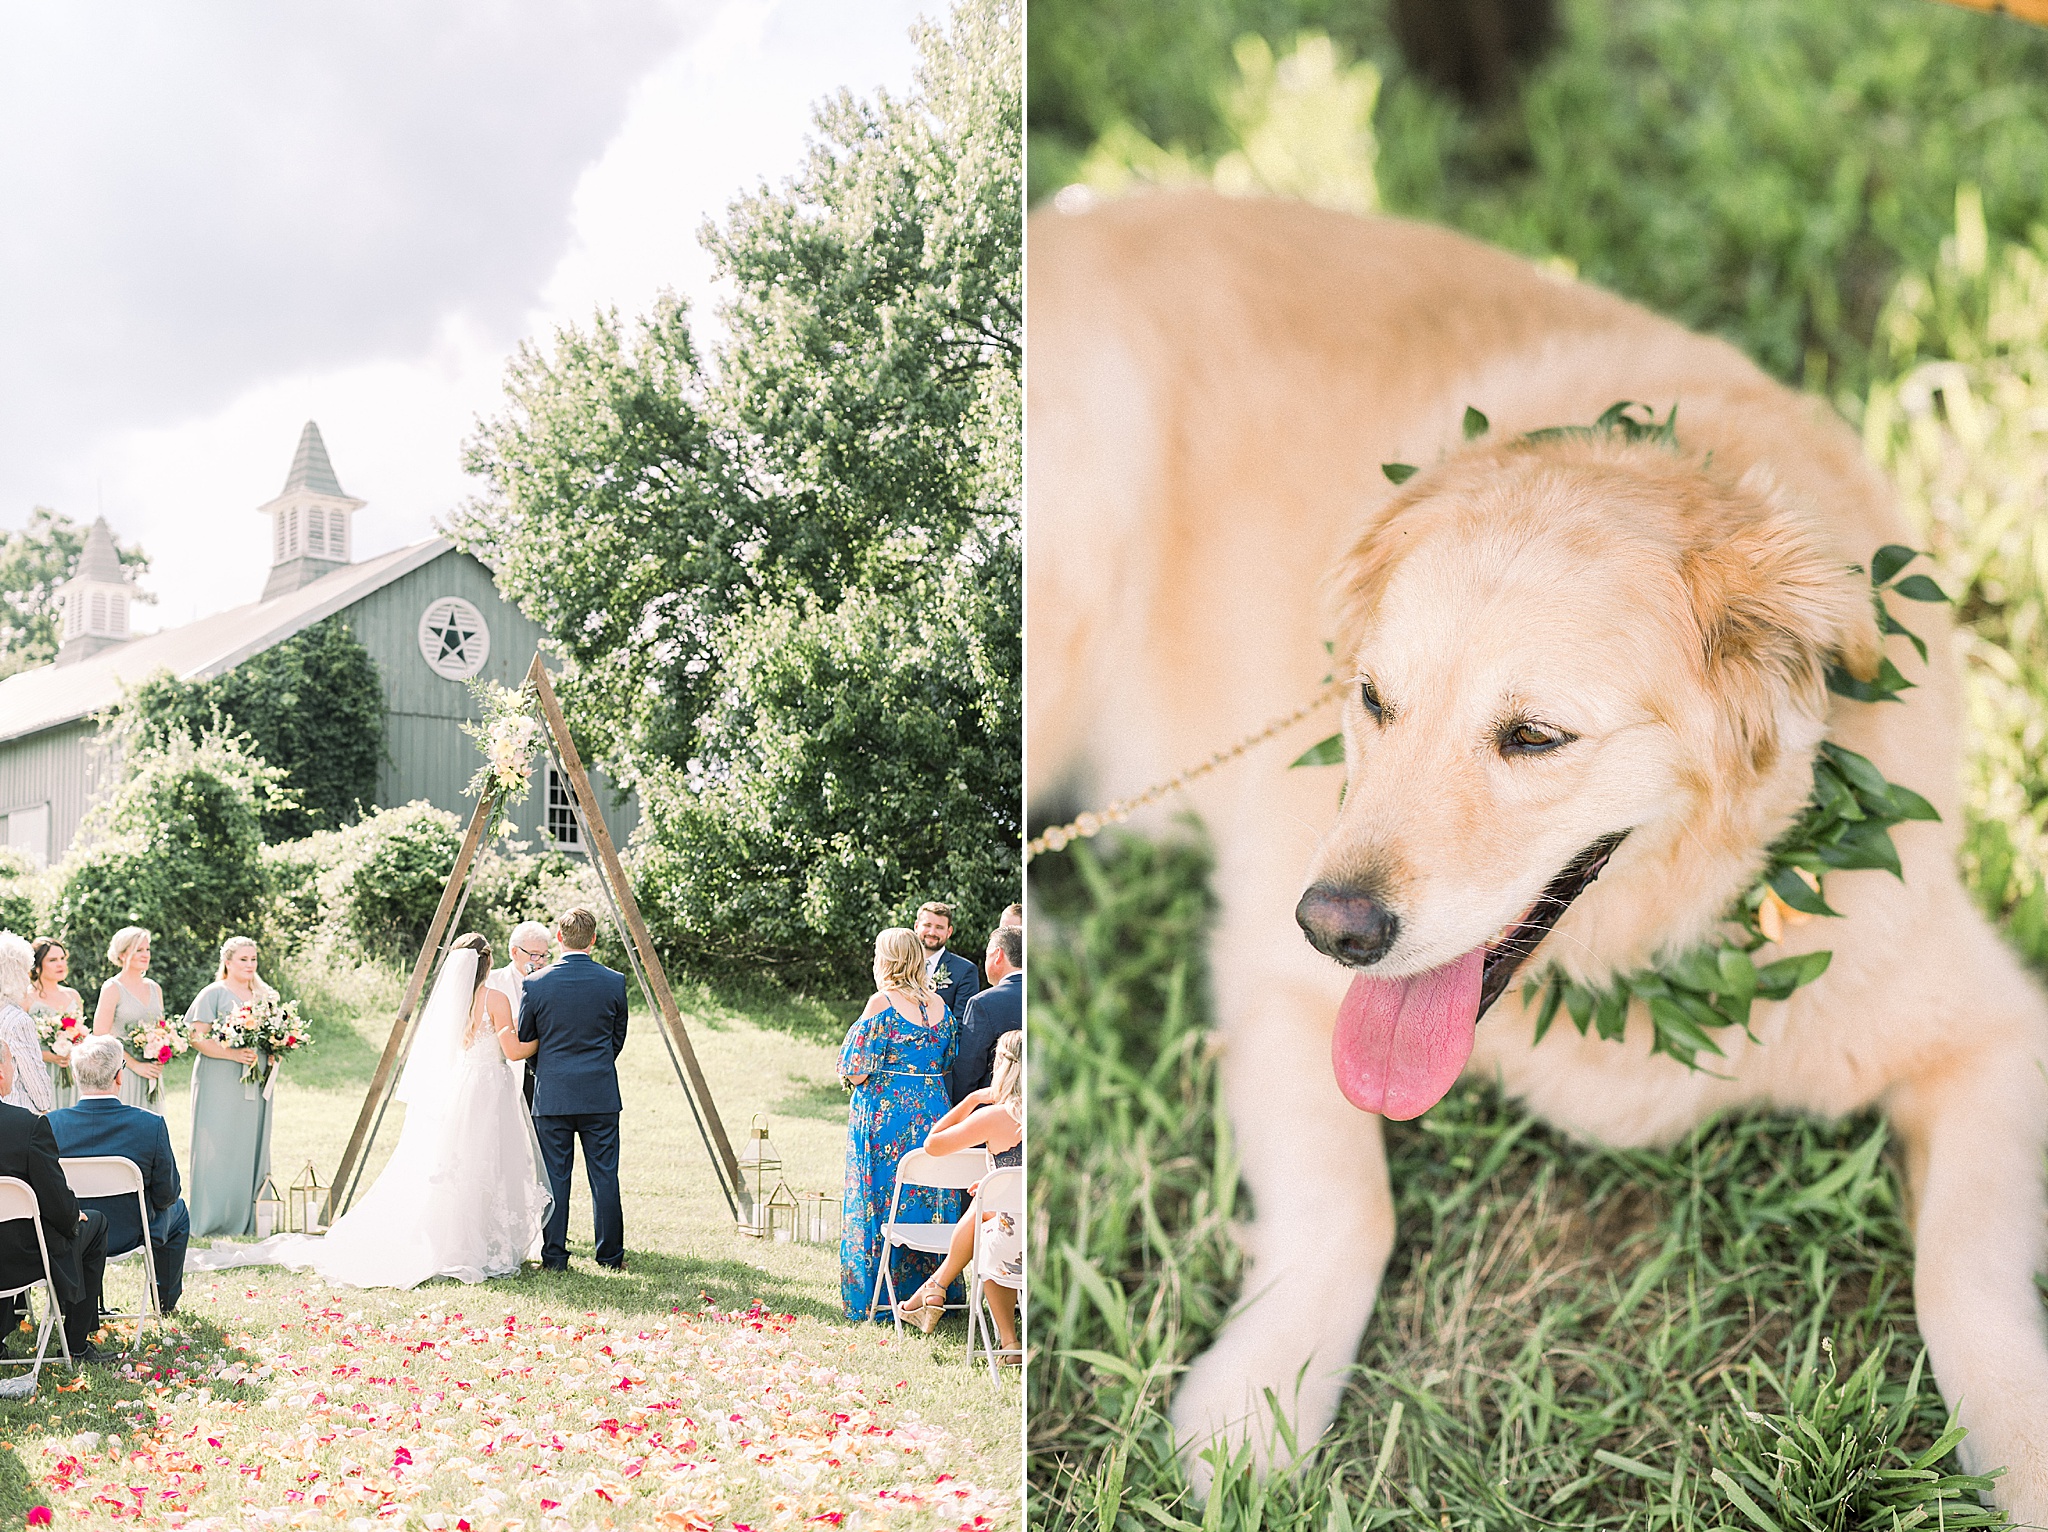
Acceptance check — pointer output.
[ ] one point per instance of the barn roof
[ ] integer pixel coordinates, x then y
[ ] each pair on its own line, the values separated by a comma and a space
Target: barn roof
34, 700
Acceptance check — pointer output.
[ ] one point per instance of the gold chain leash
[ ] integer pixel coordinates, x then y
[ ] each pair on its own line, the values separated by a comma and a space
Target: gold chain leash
1094, 822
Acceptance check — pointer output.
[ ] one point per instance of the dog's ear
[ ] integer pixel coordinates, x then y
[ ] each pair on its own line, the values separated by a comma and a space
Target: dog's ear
1359, 578
1774, 612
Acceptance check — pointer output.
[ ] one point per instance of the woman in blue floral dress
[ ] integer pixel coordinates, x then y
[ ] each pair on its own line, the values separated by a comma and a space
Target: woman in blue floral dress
894, 1059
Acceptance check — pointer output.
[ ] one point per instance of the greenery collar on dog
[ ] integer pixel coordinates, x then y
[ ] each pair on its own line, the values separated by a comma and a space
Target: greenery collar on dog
1845, 826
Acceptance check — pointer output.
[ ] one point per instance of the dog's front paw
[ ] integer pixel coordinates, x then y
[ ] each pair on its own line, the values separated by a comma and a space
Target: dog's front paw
1228, 1397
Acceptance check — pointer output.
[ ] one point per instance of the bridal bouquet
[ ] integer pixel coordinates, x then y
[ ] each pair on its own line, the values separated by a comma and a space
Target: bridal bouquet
154, 1045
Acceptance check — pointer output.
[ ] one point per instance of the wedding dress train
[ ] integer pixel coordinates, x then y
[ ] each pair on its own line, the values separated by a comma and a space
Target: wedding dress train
464, 1194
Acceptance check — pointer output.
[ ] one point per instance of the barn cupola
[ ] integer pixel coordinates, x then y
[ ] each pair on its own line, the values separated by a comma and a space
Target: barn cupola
94, 601
310, 533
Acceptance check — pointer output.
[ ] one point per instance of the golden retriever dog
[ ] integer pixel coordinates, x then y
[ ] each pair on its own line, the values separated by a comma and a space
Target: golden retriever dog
1554, 651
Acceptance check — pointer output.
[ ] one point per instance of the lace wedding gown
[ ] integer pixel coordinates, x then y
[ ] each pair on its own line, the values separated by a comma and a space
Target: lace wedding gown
464, 1194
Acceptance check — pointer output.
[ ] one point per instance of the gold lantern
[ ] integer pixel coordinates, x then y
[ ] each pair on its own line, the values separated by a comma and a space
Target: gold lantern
819, 1224
270, 1209
759, 1164
309, 1202
781, 1216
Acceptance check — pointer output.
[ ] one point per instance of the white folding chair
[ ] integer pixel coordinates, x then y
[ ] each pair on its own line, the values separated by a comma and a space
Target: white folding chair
955, 1172
110, 1175
1001, 1195
18, 1201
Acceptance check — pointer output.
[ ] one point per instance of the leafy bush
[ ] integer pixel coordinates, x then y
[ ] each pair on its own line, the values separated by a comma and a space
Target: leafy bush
389, 873
17, 905
177, 849
312, 706
510, 886
876, 766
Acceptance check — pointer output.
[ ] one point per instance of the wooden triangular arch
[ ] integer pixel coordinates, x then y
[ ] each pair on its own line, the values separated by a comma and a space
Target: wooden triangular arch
640, 956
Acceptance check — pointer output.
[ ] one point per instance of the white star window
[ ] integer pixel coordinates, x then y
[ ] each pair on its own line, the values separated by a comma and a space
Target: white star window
454, 639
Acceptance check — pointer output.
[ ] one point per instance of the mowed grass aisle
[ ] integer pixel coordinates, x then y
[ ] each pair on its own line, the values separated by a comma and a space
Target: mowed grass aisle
712, 1385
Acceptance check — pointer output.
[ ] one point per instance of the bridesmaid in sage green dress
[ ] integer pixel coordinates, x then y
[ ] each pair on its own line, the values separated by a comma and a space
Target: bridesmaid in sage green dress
230, 1119
49, 995
129, 1000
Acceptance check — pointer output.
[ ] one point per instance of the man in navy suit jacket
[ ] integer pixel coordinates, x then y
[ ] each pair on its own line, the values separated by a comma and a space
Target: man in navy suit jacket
996, 1010
577, 1011
953, 976
102, 1123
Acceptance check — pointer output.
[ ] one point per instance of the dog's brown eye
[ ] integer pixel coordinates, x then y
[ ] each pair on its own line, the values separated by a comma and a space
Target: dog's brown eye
1369, 695
1531, 739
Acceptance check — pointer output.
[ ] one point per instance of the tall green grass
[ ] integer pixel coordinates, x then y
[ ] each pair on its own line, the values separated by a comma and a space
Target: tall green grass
1567, 1336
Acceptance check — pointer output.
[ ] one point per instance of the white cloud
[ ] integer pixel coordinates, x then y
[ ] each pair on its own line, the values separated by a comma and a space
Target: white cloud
261, 216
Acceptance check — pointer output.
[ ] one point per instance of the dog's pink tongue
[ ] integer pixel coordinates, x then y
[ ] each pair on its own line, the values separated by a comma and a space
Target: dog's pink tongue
1401, 1043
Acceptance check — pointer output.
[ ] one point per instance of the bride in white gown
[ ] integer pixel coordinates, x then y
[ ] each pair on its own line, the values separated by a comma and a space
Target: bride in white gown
464, 1194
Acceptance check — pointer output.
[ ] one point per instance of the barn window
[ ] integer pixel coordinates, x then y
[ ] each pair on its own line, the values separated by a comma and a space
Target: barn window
562, 827
278, 556
120, 614
316, 534
294, 538
336, 535
99, 611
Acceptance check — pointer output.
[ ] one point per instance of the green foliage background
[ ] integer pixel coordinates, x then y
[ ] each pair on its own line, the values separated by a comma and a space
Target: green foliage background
1761, 169
176, 849
312, 706
789, 581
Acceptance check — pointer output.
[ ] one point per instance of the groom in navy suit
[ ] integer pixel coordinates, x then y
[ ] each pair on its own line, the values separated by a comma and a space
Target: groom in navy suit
577, 1012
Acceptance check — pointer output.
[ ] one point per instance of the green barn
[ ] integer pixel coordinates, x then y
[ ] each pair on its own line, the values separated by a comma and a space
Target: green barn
430, 615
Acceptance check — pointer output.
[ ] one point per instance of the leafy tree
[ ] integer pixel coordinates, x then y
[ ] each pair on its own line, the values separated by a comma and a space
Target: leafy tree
33, 563
612, 520
713, 545
176, 849
869, 761
312, 706
864, 415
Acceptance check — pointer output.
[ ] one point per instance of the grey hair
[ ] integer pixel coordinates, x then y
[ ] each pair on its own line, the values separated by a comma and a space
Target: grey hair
16, 958
96, 1063
529, 930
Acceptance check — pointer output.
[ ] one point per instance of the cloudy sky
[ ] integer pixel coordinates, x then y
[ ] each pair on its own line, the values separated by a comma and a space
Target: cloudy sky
220, 221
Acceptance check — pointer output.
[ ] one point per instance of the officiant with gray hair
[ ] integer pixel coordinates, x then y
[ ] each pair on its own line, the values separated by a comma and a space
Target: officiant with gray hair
532, 947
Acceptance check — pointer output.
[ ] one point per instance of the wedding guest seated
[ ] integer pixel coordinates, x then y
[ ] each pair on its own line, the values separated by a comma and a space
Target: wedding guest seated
995, 1011
76, 1237
991, 1119
101, 1123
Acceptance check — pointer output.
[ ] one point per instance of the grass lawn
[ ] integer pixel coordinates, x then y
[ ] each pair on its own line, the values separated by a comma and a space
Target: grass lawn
1718, 1335
713, 1384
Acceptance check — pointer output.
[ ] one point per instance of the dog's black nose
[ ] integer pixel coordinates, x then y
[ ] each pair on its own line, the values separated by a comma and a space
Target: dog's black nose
1347, 925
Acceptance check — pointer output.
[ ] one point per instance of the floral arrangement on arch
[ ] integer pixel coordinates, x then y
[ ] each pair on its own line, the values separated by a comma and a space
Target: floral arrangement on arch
508, 734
